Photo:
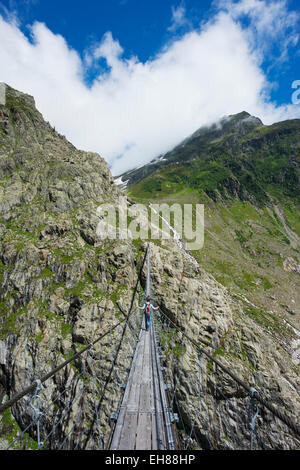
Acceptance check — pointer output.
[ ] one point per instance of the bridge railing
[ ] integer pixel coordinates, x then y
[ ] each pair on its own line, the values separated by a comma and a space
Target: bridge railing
212, 407
75, 405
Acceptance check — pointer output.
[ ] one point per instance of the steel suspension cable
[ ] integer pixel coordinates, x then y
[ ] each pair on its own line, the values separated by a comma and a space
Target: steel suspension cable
30, 388
34, 421
285, 419
119, 347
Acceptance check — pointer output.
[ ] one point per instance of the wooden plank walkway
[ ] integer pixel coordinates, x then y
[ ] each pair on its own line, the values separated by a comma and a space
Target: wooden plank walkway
140, 424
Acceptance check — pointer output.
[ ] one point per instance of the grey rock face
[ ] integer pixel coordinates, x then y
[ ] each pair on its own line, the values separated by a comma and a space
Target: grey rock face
7, 90
58, 286
2, 93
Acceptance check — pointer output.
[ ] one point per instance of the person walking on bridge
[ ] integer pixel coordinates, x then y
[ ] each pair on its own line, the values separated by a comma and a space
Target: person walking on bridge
147, 311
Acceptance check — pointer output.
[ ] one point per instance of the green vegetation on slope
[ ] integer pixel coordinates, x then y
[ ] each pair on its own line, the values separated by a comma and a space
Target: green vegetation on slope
242, 180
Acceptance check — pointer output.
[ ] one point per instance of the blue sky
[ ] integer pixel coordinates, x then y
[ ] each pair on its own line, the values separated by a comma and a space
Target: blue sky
140, 25
109, 52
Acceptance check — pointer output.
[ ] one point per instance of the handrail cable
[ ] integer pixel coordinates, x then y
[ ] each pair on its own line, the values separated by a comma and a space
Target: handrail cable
118, 349
285, 419
254, 394
128, 374
31, 387
34, 420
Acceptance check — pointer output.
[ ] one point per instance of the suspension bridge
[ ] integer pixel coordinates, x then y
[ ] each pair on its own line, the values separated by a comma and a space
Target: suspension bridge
144, 420
142, 405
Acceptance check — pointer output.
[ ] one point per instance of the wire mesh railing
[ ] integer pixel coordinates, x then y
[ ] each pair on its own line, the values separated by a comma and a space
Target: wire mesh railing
79, 414
212, 409
74, 405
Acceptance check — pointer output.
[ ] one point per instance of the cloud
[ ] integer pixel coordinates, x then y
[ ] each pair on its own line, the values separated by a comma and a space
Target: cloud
109, 49
178, 18
271, 25
133, 110
16, 6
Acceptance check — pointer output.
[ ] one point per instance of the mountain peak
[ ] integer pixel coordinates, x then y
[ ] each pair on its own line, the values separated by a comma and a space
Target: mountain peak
227, 136
243, 116
240, 123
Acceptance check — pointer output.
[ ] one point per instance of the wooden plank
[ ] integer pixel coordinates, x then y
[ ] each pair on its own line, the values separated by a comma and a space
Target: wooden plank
158, 431
125, 431
135, 378
146, 408
154, 434
145, 403
141, 422
120, 422
128, 436
144, 431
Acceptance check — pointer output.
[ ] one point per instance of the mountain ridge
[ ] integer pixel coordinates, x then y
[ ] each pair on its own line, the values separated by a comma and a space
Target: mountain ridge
248, 181
238, 136
215, 129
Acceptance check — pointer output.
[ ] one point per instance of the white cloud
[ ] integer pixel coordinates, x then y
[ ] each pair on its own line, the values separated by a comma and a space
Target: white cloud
134, 111
271, 23
178, 18
109, 49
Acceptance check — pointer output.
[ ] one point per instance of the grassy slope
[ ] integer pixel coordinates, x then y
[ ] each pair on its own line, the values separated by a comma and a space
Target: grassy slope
246, 242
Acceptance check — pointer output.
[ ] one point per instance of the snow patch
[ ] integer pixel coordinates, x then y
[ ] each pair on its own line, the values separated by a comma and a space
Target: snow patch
120, 182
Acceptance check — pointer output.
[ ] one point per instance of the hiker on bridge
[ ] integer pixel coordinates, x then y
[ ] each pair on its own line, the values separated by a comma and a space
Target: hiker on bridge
147, 311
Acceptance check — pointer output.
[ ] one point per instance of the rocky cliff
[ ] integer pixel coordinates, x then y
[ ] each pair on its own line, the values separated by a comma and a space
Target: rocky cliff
252, 350
60, 285
247, 176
